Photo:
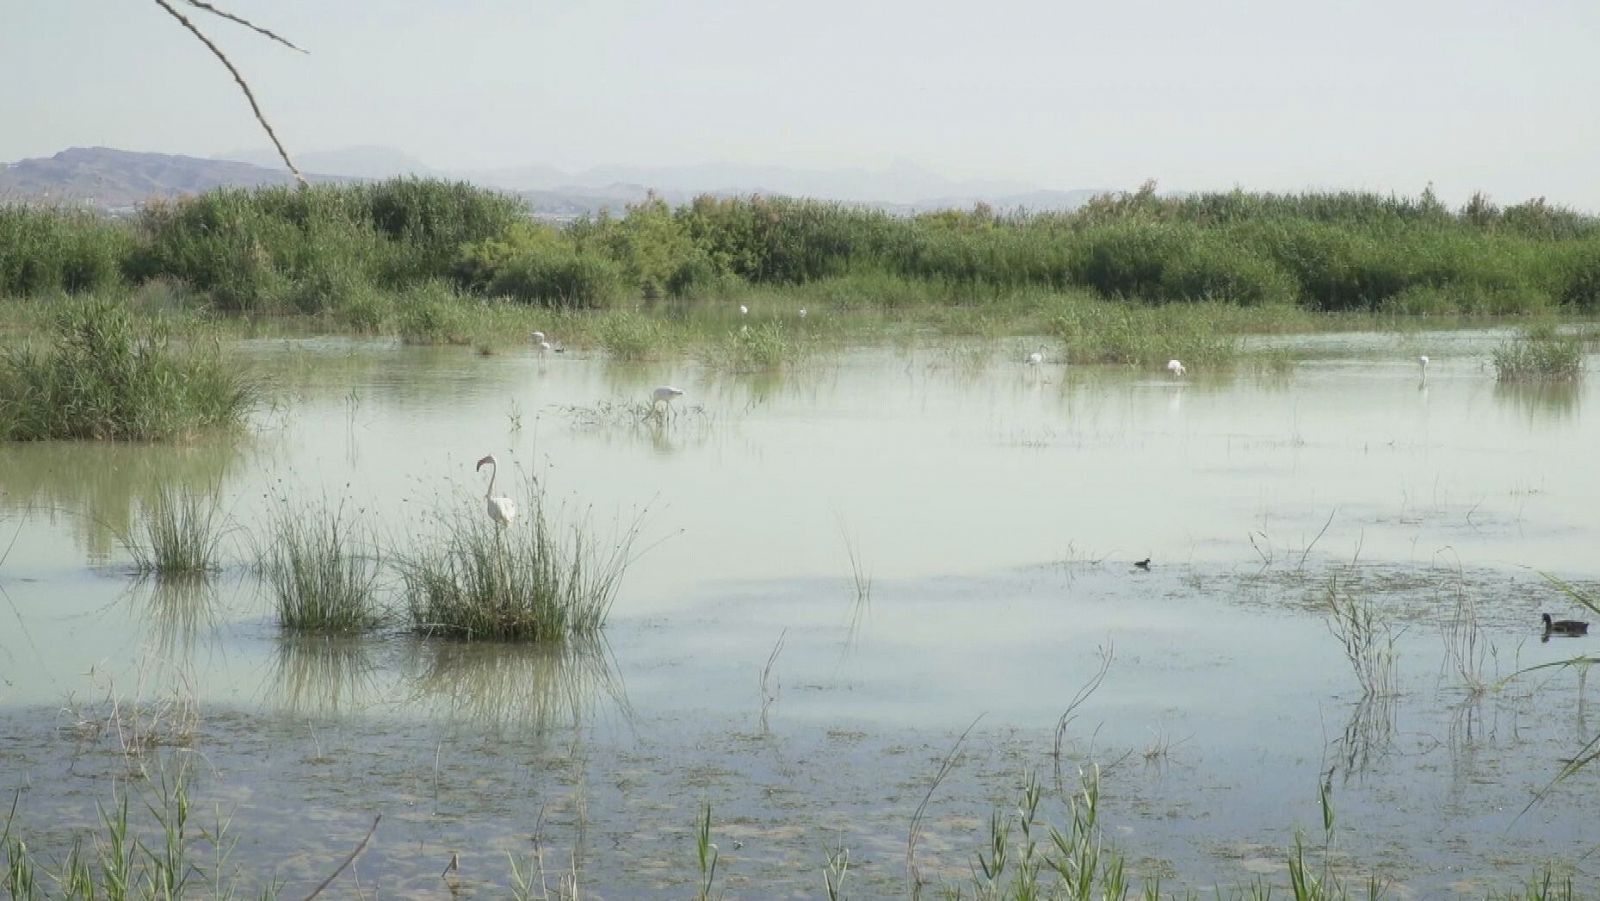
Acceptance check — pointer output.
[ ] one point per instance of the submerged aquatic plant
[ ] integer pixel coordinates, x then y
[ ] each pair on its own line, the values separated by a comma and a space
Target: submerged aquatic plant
1366, 639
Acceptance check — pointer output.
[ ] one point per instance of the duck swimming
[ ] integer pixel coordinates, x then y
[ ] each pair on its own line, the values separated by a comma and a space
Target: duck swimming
1564, 626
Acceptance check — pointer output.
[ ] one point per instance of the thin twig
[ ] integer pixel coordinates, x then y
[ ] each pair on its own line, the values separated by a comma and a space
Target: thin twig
1314, 541
246, 23
254, 106
353, 854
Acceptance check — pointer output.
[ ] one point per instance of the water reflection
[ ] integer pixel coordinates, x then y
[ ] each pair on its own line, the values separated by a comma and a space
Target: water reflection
1367, 738
510, 686
1540, 400
96, 488
178, 610
322, 675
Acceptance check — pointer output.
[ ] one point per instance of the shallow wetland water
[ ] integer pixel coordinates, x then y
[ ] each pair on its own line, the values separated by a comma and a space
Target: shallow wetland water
997, 507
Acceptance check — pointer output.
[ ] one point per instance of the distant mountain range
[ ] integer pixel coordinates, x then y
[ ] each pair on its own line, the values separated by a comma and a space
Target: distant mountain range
119, 180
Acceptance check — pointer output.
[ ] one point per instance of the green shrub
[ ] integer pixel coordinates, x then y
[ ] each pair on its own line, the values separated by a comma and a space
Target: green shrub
538, 264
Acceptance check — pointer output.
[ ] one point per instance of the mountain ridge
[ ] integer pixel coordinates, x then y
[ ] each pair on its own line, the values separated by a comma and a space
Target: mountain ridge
119, 180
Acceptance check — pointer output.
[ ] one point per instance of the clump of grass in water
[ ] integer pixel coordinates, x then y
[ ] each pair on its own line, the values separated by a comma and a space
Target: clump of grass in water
765, 346
530, 581
319, 579
630, 336
104, 379
1540, 354
181, 535
1101, 331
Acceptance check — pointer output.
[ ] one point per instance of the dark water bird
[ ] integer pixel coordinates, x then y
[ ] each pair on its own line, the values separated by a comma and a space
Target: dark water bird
1564, 626
1143, 564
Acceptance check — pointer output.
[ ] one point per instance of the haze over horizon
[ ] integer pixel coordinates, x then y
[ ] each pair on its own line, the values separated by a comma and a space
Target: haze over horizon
1363, 95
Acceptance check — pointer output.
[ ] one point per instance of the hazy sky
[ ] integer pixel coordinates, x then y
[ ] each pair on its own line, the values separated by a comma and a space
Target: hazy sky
1379, 94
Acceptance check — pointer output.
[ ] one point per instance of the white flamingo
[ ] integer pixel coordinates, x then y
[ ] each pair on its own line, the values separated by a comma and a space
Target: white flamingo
1036, 358
543, 347
537, 337
744, 310
1422, 361
664, 395
501, 509
802, 312
1176, 367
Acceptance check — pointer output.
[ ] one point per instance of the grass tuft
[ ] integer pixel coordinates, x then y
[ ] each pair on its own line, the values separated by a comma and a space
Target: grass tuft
531, 581
321, 582
181, 535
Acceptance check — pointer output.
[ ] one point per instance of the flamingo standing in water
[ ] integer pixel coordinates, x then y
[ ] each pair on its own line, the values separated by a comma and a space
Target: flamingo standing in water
501, 509
665, 394
1176, 367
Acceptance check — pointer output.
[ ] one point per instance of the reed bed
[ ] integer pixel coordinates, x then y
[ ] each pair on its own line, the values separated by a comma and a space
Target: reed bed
104, 378
326, 251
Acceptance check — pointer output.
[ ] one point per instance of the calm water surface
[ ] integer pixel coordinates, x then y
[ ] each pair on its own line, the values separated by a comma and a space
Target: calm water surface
997, 508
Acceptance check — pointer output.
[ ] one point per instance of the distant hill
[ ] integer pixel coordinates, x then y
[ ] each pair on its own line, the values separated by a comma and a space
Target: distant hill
367, 161
119, 180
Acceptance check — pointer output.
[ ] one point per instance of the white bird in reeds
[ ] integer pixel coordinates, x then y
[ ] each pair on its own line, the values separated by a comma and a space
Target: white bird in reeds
501, 509
1036, 358
537, 337
543, 347
1176, 367
1422, 361
802, 312
664, 395
744, 310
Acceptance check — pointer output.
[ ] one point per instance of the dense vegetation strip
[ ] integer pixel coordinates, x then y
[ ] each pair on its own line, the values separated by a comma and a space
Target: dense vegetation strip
334, 248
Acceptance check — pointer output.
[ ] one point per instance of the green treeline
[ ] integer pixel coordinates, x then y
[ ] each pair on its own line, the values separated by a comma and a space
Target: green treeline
333, 247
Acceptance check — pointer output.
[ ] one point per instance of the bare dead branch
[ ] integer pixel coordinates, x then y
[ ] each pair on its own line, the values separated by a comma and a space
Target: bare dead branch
254, 106
245, 22
353, 854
